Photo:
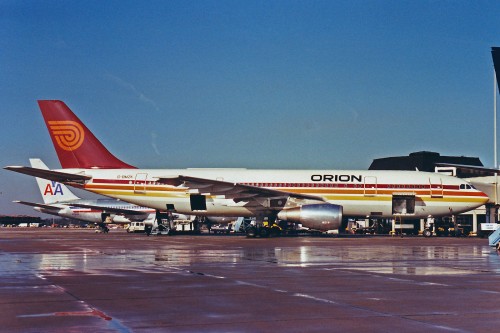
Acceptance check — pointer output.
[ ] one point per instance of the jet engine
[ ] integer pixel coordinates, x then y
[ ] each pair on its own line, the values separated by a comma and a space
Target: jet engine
321, 217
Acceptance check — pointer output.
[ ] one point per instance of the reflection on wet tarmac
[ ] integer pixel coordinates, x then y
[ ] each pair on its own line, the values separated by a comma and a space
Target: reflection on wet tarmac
415, 260
411, 260
76, 281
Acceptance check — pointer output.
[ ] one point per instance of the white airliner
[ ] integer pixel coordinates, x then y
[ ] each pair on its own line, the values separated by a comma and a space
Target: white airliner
318, 199
60, 201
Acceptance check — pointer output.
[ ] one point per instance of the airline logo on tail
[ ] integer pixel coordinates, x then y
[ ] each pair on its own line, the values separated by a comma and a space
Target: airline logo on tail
68, 134
53, 188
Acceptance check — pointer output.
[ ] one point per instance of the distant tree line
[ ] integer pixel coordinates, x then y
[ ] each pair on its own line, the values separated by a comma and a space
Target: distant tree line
16, 220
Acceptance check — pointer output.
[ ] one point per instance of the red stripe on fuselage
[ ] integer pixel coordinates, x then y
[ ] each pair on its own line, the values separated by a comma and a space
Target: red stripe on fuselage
421, 189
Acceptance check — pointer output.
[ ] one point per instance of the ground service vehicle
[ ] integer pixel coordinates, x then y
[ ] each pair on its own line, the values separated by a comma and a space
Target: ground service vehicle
136, 227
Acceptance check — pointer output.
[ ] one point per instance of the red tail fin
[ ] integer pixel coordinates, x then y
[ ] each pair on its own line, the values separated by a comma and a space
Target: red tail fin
75, 144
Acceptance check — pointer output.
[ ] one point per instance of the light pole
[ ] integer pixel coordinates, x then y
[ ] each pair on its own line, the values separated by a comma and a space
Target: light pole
495, 155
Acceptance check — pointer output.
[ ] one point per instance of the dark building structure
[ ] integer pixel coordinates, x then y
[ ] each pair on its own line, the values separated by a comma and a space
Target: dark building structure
426, 161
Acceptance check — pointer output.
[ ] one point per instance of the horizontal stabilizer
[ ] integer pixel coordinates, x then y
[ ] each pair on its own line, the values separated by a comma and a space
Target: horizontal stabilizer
109, 209
39, 205
61, 177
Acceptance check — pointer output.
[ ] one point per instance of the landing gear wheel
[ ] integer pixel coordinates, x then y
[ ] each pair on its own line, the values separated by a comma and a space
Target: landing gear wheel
264, 232
251, 232
275, 232
427, 233
166, 230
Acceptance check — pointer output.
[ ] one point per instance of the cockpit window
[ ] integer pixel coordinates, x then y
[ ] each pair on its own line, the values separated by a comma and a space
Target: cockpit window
467, 187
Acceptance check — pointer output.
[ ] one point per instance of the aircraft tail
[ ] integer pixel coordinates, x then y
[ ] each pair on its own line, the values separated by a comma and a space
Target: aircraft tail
75, 144
51, 191
495, 53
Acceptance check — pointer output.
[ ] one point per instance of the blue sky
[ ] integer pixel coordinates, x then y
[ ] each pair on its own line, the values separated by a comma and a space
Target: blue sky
256, 84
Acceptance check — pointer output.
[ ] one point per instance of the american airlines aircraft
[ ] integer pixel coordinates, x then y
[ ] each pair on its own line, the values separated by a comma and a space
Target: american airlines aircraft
60, 201
318, 199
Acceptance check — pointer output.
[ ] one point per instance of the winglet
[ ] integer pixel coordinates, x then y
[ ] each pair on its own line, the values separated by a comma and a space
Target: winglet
75, 144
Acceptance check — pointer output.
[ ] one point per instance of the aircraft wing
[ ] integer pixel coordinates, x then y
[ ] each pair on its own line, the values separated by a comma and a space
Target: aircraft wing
105, 209
61, 177
32, 204
237, 192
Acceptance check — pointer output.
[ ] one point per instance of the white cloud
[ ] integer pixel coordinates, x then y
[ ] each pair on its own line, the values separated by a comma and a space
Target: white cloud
130, 87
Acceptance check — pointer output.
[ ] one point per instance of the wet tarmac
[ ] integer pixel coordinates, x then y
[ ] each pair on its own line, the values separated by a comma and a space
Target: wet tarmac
79, 281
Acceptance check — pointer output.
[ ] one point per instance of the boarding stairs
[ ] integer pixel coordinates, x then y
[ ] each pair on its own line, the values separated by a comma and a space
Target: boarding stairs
494, 239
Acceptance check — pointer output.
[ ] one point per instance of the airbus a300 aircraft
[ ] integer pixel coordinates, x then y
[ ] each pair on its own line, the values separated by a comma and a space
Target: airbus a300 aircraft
60, 201
318, 199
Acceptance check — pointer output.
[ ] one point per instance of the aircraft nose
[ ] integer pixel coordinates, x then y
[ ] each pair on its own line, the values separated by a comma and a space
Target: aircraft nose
485, 197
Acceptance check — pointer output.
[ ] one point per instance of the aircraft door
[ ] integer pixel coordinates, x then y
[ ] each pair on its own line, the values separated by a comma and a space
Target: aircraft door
198, 202
403, 204
370, 186
106, 217
140, 183
436, 188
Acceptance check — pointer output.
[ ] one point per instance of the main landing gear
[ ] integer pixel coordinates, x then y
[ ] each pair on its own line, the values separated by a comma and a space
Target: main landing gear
264, 229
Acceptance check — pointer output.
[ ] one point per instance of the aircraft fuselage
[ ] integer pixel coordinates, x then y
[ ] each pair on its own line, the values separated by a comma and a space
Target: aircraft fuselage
359, 192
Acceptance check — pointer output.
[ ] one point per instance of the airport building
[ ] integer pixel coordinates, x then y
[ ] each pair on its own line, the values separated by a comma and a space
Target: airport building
424, 161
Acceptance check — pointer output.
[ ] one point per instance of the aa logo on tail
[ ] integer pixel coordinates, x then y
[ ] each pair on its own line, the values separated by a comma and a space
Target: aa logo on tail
68, 134
53, 188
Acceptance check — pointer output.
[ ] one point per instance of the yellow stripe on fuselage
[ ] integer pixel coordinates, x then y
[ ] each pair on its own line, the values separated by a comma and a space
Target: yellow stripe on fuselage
337, 194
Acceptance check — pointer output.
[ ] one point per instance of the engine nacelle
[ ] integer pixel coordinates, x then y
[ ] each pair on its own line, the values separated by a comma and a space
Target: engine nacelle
321, 217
